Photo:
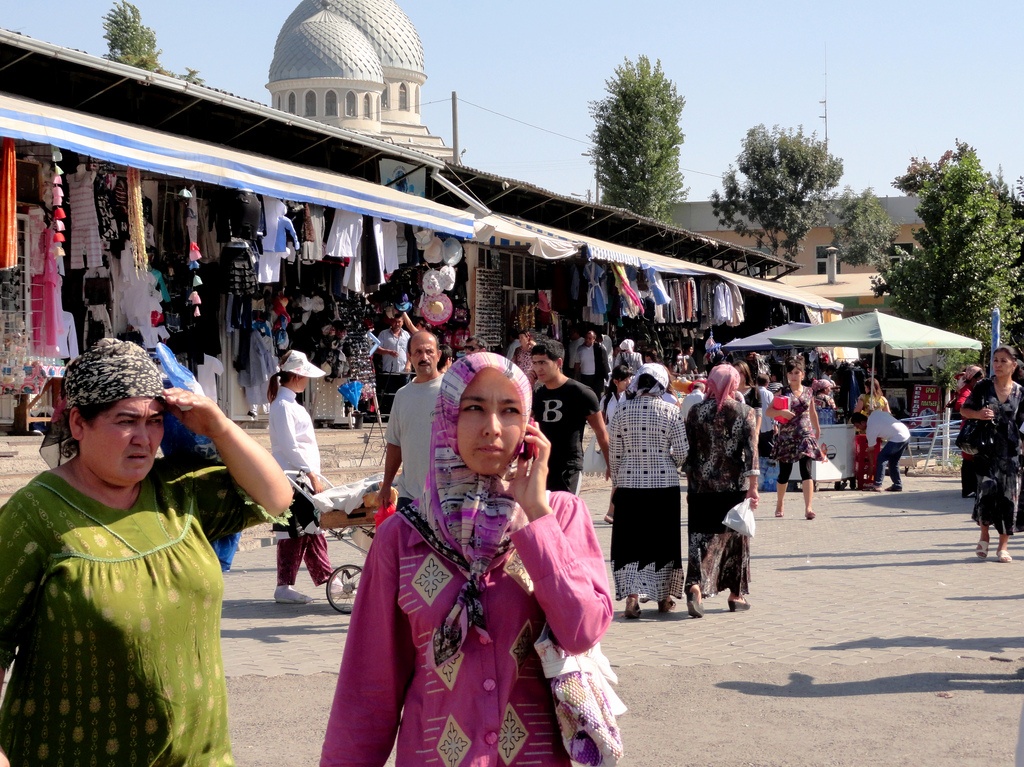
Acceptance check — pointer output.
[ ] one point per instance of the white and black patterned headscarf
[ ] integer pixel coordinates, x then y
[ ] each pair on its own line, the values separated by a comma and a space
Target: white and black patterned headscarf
110, 371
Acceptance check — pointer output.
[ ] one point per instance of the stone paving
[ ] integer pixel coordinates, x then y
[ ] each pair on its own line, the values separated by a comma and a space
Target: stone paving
875, 578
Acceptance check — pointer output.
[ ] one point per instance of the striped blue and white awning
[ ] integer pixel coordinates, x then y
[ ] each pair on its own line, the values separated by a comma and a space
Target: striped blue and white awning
172, 155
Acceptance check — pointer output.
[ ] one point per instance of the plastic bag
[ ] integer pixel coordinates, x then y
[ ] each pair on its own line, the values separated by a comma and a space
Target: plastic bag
741, 518
178, 439
593, 459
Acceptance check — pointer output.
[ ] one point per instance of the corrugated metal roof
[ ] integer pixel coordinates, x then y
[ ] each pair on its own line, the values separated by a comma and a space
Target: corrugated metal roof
325, 45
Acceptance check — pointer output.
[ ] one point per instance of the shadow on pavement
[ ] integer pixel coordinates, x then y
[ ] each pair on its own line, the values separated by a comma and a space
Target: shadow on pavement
803, 686
888, 563
970, 644
985, 598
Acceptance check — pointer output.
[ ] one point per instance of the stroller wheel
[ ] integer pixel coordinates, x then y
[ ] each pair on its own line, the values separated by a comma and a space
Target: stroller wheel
341, 588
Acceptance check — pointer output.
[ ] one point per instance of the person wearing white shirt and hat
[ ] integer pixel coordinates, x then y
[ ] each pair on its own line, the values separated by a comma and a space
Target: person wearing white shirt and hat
293, 445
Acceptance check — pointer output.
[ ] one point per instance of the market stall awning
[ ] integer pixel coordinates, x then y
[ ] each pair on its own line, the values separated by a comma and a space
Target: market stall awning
500, 231
513, 229
867, 331
172, 155
760, 342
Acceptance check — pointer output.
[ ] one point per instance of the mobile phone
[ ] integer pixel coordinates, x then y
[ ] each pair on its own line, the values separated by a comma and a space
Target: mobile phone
529, 450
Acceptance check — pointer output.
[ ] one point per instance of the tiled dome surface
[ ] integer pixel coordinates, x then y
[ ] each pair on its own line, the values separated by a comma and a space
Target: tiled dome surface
323, 44
388, 29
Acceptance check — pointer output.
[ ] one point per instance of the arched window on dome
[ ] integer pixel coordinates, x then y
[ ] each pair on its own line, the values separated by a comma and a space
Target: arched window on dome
417, 100
291, 103
331, 104
378, 108
367, 107
310, 104
277, 101
403, 98
385, 99
350, 105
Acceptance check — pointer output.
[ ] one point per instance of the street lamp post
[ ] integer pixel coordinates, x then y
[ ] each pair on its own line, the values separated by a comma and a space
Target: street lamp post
597, 188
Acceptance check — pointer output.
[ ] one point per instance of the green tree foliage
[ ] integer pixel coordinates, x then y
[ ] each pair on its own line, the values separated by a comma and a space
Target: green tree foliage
865, 233
637, 138
131, 42
779, 188
969, 259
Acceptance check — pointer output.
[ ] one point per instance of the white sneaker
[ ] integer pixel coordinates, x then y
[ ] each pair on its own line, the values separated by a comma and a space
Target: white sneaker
286, 595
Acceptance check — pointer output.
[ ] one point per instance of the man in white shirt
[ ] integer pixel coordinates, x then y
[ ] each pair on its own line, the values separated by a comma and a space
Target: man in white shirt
393, 349
408, 434
592, 364
884, 426
696, 395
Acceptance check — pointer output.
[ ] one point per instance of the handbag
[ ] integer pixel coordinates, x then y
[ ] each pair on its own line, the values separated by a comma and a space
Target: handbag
741, 518
593, 459
976, 436
585, 703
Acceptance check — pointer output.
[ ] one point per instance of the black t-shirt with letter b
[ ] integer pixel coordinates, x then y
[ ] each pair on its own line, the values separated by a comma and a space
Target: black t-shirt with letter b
562, 415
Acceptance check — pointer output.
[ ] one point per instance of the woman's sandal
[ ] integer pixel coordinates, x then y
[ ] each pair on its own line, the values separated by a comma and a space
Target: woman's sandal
1004, 555
694, 608
981, 549
632, 610
736, 605
809, 515
778, 513
666, 605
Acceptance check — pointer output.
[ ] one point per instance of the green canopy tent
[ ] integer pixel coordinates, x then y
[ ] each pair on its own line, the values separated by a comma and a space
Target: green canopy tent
871, 330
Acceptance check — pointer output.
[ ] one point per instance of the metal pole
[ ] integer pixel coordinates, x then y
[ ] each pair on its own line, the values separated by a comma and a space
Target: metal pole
457, 158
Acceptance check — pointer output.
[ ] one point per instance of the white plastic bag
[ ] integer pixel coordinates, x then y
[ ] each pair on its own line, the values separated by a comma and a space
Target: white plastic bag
741, 518
593, 459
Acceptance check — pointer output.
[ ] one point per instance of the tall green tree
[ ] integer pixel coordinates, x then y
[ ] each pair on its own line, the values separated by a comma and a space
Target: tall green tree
865, 233
636, 138
779, 188
131, 42
969, 259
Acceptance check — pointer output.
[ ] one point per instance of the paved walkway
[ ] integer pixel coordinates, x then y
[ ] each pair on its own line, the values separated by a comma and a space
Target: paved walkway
875, 578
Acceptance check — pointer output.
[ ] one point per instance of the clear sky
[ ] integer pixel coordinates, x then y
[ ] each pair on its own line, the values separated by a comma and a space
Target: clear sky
904, 79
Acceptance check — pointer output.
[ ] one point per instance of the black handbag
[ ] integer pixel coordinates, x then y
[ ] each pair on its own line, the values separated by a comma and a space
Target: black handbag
976, 436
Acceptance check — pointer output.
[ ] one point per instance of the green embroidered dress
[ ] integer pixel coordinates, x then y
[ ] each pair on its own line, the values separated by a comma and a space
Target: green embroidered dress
112, 619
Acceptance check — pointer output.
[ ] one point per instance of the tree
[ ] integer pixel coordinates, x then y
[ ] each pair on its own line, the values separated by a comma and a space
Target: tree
637, 138
968, 261
779, 189
131, 42
865, 233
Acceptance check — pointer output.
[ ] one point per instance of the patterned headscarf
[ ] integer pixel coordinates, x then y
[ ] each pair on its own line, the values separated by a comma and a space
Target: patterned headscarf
723, 381
108, 372
660, 375
466, 516
821, 385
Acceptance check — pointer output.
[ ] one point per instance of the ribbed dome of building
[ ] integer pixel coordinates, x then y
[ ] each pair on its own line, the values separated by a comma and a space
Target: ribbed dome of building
385, 25
324, 44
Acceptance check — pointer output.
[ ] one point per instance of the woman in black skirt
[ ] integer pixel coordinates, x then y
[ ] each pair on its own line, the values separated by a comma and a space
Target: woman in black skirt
647, 447
721, 471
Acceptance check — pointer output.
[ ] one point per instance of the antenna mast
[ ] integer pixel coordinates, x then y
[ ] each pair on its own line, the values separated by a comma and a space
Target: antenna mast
824, 101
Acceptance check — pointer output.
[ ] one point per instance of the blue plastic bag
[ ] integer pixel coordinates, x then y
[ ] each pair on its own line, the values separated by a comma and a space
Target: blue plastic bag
178, 439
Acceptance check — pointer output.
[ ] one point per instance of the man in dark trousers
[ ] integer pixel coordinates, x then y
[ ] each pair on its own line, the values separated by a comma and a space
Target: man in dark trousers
592, 365
562, 408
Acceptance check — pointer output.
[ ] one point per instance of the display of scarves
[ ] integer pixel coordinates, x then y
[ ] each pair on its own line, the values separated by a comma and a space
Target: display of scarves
136, 222
632, 304
597, 298
8, 206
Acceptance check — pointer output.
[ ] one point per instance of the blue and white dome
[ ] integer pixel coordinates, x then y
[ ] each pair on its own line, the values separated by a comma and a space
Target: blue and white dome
324, 45
383, 24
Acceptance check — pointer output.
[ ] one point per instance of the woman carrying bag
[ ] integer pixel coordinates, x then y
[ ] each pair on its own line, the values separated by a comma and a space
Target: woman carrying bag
458, 586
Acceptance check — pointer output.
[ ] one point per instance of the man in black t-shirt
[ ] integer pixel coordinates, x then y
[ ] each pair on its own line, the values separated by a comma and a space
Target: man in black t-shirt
562, 408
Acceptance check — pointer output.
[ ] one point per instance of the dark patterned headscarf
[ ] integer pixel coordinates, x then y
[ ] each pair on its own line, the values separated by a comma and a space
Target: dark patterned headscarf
110, 371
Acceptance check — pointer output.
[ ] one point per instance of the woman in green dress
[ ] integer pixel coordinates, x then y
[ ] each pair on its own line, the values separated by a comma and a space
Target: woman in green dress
110, 595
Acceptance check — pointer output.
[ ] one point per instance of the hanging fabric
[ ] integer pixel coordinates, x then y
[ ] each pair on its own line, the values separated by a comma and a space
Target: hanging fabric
136, 222
8, 207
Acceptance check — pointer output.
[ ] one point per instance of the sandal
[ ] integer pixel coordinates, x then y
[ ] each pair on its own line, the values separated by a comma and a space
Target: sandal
1004, 555
810, 514
981, 549
778, 513
632, 610
666, 605
693, 607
